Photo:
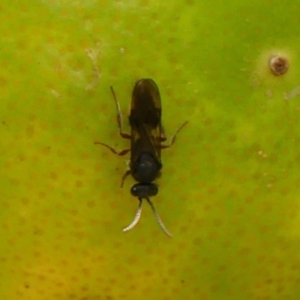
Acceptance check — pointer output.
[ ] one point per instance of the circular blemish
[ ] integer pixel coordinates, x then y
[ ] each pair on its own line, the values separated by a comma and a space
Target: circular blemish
278, 65
270, 66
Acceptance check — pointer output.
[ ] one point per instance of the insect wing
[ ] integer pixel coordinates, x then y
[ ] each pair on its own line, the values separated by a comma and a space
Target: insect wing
145, 120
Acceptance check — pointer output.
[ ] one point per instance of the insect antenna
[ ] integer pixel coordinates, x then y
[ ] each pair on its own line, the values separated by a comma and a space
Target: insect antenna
136, 218
158, 219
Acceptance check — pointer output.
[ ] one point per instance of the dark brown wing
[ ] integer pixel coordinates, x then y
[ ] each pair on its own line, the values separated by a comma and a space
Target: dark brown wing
145, 120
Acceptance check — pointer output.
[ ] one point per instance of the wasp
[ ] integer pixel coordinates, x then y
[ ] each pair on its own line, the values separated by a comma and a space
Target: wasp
147, 135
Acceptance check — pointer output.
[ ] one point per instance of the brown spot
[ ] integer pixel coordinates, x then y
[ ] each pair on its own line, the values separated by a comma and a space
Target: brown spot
42, 195
172, 271
21, 157
30, 130
91, 204
182, 246
222, 268
84, 288
79, 172
205, 261
45, 150
3, 81
184, 228
172, 257
79, 183
245, 251
74, 212
53, 175
51, 271
214, 288
77, 224
148, 273
213, 235
117, 245
198, 241
11, 242
59, 284
217, 222
38, 231
25, 201
278, 65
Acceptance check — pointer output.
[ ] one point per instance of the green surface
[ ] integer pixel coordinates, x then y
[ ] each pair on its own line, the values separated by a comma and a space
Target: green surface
229, 192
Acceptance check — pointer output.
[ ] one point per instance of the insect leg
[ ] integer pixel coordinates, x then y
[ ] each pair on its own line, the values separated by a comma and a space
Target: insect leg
125, 176
113, 150
136, 218
173, 137
158, 219
120, 117
163, 137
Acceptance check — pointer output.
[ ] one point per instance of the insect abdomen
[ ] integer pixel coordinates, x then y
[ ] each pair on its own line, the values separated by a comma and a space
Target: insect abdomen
146, 169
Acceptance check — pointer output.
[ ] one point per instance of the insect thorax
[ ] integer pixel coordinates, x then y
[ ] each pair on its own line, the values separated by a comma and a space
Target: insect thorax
144, 190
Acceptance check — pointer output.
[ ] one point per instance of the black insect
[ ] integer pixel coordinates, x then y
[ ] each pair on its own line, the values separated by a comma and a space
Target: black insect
146, 136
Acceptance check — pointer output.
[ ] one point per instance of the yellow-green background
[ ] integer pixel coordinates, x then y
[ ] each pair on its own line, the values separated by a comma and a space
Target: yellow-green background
229, 191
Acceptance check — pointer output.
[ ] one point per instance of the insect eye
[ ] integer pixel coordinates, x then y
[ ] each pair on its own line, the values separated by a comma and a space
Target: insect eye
144, 190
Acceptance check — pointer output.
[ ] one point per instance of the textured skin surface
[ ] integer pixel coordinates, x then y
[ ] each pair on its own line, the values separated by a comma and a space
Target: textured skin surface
229, 190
